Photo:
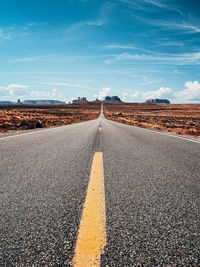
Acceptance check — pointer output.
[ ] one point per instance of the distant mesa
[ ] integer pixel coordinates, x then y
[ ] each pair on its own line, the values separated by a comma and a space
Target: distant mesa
32, 102
157, 101
80, 100
112, 99
42, 102
6, 102
107, 99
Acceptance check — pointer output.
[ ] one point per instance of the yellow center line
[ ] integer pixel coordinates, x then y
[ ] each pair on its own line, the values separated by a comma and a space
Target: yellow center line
92, 232
100, 128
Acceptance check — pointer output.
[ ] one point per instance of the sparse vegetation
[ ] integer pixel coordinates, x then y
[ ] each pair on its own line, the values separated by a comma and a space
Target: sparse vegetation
25, 117
179, 118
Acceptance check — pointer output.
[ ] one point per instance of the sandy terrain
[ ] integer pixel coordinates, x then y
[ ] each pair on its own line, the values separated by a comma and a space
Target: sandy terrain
25, 117
179, 118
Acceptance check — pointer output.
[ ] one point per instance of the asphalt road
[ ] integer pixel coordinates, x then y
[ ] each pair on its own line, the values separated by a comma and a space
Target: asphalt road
151, 190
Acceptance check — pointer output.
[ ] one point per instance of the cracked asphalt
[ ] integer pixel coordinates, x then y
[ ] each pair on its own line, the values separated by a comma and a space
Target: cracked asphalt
151, 190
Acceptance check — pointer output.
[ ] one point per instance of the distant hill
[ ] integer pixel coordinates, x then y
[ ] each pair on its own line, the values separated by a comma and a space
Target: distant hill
112, 99
6, 102
42, 102
158, 101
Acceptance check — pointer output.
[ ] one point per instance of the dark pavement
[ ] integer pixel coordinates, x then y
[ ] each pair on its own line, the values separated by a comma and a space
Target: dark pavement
151, 189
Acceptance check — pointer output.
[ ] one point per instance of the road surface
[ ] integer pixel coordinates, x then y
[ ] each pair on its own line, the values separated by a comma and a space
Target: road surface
144, 185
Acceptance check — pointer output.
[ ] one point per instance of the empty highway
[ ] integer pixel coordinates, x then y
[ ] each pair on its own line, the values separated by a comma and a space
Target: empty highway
99, 193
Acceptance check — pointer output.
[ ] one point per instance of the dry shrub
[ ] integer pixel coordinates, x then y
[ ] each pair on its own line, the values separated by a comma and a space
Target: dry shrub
31, 117
179, 118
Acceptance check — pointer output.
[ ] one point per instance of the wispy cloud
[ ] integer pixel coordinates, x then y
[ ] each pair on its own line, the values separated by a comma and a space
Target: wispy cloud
5, 34
184, 26
140, 4
26, 59
14, 31
155, 3
98, 22
81, 24
54, 93
162, 92
66, 84
35, 24
134, 4
171, 43
173, 59
62, 58
13, 90
45, 58
124, 47
149, 81
162, 5
117, 46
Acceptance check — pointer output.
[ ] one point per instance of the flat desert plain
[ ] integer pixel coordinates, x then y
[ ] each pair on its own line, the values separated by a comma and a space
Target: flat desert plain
178, 118
26, 117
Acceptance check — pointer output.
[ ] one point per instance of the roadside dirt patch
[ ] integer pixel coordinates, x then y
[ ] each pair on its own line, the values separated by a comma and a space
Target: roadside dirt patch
25, 117
178, 118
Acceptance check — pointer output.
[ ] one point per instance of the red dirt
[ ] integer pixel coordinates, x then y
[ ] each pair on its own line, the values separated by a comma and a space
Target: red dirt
177, 118
25, 117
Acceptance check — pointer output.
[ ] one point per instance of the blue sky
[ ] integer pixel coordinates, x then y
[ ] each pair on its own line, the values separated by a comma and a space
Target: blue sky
136, 49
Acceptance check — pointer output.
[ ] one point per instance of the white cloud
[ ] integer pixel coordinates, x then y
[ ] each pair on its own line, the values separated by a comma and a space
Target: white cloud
149, 81
104, 92
13, 90
133, 4
162, 92
125, 47
131, 96
5, 34
185, 26
45, 94
17, 89
32, 24
98, 22
161, 5
81, 24
117, 46
172, 43
46, 58
161, 58
152, 2
191, 93
140, 5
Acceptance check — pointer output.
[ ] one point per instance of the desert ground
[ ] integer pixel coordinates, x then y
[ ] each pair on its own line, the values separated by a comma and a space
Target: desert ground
26, 117
176, 118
